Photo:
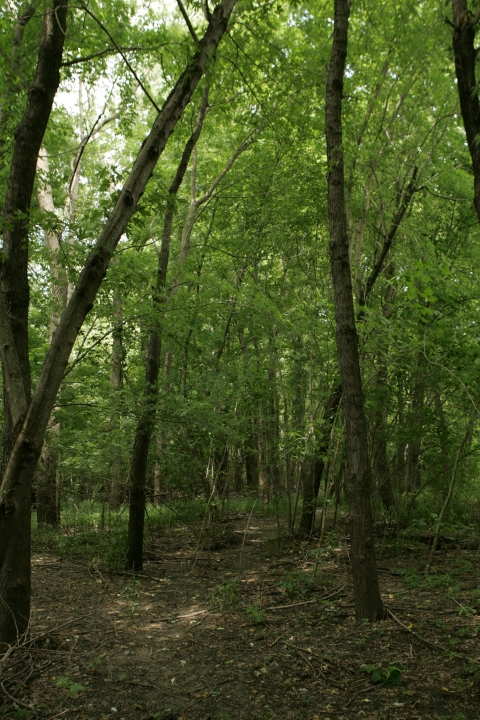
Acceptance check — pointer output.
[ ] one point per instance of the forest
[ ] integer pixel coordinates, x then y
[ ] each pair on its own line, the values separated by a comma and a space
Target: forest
240, 359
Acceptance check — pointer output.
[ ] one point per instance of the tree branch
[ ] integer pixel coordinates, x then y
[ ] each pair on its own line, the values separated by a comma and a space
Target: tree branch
187, 20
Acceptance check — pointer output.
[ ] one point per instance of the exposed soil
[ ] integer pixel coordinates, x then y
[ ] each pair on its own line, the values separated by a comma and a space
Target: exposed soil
178, 641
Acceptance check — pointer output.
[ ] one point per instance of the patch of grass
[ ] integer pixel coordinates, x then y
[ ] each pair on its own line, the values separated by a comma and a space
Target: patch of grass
226, 595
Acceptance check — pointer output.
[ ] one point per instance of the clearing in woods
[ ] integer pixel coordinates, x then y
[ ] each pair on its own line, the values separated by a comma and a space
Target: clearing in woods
253, 630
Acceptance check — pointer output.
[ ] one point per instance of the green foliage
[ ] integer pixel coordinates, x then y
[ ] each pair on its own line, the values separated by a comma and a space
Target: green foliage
226, 595
73, 688
298, 582
255, 613
391, 675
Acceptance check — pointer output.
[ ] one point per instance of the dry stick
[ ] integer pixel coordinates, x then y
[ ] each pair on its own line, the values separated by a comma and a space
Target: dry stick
177, 617
321, 657
14, 699
70, 622
307, 602
449, 495
427, 642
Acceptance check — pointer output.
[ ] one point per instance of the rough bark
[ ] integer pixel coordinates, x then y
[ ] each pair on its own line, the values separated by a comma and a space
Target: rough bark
143, 433
23, 458
465, 60
368, 604
15, 571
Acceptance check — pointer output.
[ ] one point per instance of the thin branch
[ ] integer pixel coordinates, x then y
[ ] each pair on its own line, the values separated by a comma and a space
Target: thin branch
85, 141
404, 203
127, 63
113, 51
187, 20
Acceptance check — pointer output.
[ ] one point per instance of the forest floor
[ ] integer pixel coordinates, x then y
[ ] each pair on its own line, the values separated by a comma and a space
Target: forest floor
249, 631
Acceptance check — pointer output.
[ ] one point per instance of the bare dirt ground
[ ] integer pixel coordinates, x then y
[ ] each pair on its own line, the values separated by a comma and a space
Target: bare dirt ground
247, 632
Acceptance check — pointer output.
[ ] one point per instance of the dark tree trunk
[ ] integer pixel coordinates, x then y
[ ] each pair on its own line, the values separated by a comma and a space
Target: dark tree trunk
143, 434
415, 427
251, 466
312, 487
465, 61
381, 465
368, 603
15, 569
116, 493
16, 481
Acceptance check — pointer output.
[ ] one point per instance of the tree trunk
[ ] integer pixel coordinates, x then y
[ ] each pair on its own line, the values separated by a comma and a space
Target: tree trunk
322, 445
368, 603
48, 477
14, 303
415, 423
16, 481
465, 61
143, 434
117, 487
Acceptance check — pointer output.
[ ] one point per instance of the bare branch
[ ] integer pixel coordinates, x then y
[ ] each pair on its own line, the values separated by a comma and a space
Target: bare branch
187, 20
127, 63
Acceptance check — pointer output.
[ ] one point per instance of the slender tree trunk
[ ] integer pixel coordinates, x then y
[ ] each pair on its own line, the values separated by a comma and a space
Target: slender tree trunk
117, 477
368, 603
415, 423
16, 480
381, 465
322, 446
138, 469
48, 475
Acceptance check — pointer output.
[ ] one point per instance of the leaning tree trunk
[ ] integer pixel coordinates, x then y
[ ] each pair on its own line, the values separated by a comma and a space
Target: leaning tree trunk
368, 603
30, 419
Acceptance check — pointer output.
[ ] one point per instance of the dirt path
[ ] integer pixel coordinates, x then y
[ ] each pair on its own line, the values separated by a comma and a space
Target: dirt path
257, 640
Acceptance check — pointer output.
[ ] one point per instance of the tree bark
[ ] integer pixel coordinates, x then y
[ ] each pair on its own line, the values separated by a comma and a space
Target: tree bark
16, 481
143, 434
15, 580
465, 60
368, 604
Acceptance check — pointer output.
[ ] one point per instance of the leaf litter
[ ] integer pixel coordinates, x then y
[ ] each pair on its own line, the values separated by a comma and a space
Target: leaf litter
267, 639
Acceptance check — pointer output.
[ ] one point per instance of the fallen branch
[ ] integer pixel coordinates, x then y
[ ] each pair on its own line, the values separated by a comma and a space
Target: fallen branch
427, 642
178, 617
306, 602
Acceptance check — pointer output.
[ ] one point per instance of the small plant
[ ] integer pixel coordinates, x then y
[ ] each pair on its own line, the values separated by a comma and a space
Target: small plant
226, 595
73, 687
132, 593
95, 663
255, 613
297, 583
391, 675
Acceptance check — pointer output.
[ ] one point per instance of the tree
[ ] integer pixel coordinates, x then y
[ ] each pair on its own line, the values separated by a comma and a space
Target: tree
368, 604
29, 419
